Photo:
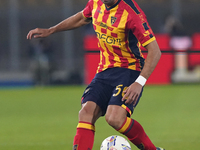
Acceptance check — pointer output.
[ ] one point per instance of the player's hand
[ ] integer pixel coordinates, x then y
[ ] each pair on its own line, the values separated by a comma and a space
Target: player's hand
38, 33
132, 93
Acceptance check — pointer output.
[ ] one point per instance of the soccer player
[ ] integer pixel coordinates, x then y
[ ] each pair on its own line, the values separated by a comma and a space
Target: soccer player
122, 28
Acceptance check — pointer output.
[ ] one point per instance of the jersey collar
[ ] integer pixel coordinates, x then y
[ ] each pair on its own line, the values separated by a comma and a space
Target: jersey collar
111, 7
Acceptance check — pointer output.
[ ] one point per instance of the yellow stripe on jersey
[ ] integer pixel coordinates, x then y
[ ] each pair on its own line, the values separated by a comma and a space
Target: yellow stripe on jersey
94, 8
86, 126
100, 15
125, 126
149, 41
98, 29
110, 48
112, 13
122, 24
105, 54
121, 35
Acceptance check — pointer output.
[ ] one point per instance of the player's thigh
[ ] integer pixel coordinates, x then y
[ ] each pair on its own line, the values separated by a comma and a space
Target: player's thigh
99, 93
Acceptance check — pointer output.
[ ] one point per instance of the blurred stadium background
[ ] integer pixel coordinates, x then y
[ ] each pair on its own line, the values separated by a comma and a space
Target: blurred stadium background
61, 56
44, 117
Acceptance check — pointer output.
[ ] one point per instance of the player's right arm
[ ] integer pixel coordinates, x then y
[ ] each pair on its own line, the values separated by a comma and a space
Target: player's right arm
70, 23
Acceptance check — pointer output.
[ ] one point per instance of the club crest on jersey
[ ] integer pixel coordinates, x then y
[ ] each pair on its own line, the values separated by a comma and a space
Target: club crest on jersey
113, 20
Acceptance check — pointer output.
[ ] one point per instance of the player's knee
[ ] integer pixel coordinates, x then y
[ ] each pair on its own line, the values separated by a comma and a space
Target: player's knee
84, 114
113, 121
89, 112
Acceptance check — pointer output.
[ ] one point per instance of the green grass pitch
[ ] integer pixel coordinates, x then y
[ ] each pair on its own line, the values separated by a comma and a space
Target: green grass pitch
45, 118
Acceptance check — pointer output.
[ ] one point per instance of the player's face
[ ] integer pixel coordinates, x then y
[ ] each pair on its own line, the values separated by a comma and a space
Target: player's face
109, 2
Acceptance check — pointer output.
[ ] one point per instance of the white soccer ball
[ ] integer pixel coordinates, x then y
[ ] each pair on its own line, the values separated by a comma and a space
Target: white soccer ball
115, 142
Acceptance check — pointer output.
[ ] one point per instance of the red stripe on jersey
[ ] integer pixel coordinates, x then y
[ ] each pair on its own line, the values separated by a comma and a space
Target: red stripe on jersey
98, 10
105, 17
124, 61
138, 66
96, 14
110, 58
100, 3
102, 60
117, 50
94, 27
87, 12
118, 16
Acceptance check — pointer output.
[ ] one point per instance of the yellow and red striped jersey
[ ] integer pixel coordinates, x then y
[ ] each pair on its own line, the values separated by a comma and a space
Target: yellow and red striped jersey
121, 29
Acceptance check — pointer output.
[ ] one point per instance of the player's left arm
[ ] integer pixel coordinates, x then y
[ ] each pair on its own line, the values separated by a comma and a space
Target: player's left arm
152, 59
70, 23
133, 91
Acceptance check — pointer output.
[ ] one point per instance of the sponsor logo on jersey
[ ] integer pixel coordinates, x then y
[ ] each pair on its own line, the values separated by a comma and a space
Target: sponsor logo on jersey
103, 25
108, 39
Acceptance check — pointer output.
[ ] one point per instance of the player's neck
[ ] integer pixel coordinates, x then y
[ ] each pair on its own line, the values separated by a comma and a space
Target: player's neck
115, 1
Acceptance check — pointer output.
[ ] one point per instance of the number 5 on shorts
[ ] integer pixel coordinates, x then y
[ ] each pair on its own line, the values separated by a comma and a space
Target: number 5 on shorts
119, 90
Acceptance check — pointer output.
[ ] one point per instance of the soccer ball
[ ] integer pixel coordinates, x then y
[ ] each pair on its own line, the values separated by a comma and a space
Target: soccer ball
115, 142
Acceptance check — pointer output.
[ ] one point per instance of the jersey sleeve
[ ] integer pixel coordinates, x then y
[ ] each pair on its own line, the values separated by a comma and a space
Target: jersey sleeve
141, 29
87, 11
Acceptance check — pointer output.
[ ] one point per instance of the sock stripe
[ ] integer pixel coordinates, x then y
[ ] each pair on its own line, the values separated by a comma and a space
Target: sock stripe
126, 125
86, 126
130, 127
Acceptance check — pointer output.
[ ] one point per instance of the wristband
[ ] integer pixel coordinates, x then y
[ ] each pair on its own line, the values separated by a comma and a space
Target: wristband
141, 80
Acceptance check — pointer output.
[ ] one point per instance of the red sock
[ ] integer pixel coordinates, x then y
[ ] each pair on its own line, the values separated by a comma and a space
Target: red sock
136, 134
84, 137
